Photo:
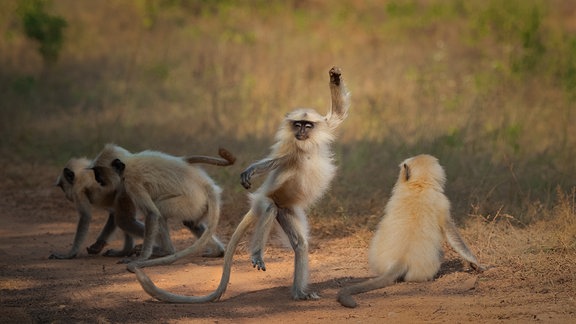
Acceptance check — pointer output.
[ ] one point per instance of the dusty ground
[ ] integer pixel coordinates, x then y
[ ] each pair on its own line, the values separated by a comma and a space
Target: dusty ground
525, 284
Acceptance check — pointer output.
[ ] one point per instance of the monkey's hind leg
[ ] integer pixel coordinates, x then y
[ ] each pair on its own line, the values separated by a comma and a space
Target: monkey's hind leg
297, 236
214, 248
266, 218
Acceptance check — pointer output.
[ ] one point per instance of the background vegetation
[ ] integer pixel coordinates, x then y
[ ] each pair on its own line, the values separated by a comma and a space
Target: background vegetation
489, 87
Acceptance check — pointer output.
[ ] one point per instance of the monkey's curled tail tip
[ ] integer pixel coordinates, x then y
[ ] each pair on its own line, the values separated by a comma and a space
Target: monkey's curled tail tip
335, 75
227, 155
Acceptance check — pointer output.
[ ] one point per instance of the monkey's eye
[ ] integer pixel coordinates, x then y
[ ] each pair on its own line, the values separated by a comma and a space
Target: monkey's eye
98, 176
300, 123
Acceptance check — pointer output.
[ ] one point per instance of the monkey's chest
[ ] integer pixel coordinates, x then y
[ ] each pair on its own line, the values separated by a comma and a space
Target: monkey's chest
303, 185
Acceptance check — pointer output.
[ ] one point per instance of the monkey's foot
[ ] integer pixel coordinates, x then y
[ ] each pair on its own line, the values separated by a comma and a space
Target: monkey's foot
346, 300
156, 251
335, 74
301, 295
478, 267
118, 253
96, 247
213, 253
257, 262
59, 256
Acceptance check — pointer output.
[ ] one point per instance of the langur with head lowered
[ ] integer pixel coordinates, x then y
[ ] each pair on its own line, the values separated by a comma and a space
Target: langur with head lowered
79, 184
300, 169
161, 186
408, 242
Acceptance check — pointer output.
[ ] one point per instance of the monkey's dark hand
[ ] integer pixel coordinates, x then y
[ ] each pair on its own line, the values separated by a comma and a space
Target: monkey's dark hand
478, 267
335, 74
245, 177
96, 247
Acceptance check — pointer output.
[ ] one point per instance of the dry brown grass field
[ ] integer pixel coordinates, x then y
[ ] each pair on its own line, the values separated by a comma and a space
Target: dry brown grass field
488, 87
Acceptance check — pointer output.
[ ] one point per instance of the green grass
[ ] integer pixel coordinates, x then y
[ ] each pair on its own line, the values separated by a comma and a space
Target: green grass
487, 88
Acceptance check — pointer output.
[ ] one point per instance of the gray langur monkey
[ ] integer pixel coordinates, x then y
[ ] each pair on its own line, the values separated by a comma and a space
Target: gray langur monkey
161, 187
78, 184
408, 241
300, 168
80, 187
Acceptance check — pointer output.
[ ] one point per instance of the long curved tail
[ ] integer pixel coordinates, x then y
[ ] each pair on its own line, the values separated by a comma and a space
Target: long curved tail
168, 297
213, 217
386, 279
226, 159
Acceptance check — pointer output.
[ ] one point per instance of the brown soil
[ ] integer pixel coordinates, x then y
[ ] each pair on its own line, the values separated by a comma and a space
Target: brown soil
524, 284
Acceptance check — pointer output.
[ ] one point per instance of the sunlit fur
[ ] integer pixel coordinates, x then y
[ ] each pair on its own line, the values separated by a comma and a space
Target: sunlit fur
414, 216
408, 241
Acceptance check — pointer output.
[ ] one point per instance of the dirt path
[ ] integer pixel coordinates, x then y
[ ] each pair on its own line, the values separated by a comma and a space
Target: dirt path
95, 289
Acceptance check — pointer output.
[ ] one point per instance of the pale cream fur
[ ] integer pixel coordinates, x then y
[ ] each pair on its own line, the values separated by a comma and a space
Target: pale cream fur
408, 241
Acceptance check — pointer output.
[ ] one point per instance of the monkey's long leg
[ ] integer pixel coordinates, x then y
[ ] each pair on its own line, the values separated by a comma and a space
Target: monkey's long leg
215, 249
287, 220
345, 294
81, 232
262, 232
165, 296
102, 239
213, 218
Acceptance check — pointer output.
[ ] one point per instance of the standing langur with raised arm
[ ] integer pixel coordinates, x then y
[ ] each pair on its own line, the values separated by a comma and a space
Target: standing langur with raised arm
408, 242
300, 169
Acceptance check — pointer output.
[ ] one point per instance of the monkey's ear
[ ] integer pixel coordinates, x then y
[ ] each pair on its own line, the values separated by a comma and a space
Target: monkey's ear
406, 171
68, 175
118, 166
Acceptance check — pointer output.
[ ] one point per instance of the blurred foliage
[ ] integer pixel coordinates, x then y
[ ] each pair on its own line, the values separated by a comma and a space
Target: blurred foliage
46, 29
487, 86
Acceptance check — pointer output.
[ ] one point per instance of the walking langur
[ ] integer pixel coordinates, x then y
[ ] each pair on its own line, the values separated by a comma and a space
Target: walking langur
79, 185
300, 169
408, 241
161, 187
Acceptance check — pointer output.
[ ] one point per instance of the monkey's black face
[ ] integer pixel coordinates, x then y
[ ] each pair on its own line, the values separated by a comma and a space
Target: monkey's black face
302, 129
98, 175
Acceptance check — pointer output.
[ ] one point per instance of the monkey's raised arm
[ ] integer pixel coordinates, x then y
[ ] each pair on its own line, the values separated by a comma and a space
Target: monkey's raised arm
340, 98
257, 168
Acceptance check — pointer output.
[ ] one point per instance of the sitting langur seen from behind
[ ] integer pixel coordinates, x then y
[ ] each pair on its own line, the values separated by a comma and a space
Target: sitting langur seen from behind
79, 185
161, 187
299, 170
408, 241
